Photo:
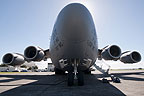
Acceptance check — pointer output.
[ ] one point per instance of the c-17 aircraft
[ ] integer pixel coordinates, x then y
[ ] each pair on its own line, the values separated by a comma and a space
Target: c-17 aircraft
73, 46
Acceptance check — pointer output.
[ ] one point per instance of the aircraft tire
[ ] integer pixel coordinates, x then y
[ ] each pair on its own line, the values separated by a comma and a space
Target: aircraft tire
80, 76
70, 78
59, 72
87, 71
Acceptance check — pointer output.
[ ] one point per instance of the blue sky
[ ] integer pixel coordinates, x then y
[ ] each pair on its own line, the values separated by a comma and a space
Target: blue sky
30, 22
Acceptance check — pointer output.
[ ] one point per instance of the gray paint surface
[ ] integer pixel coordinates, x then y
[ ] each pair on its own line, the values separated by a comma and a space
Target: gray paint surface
74, 35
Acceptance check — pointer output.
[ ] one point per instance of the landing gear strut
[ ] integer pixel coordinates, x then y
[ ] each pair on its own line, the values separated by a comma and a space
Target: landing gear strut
79, 77
74, 73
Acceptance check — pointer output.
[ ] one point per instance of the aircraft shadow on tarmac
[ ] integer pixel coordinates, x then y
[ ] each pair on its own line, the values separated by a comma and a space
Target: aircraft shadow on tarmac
123, 76
56, 85
126, 76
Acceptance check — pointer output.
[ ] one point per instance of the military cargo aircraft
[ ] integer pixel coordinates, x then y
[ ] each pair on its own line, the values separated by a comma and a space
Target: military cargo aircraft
73, 46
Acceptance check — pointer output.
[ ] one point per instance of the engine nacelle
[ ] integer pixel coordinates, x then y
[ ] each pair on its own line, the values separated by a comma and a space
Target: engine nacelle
33, 53
130, 57
13, 59
112, 52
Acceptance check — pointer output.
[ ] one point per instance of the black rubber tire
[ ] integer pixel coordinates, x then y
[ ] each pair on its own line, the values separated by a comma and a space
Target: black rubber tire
59, 72
80, 76
87, 71
70, 78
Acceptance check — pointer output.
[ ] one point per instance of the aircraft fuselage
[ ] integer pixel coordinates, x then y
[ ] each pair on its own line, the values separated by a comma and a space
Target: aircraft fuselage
74, 37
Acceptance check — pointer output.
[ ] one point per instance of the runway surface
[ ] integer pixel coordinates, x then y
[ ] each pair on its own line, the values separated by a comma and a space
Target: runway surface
49, 84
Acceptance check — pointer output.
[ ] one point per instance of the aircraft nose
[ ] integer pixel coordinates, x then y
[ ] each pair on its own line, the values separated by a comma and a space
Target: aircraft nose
75, 22
74, 13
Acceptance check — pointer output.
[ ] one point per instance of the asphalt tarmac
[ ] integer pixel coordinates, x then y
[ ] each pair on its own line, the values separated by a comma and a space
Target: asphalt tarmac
49, 84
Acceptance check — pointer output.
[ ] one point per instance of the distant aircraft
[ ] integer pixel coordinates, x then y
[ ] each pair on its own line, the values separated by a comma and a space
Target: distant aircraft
73, 46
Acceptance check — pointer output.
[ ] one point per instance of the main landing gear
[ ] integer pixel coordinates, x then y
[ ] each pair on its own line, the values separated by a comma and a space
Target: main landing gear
59, 72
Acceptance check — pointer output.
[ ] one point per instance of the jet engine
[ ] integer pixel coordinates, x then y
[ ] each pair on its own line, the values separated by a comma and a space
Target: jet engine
33, 53
130, 57
112, 52
13, 59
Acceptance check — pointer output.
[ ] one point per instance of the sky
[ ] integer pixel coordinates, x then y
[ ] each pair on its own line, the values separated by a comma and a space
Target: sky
30, 22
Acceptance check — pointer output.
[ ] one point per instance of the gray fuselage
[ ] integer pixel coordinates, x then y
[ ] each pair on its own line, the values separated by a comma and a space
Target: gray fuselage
74, 35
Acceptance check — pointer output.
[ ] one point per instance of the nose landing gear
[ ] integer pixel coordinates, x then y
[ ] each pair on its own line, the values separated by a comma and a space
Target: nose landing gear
74, 73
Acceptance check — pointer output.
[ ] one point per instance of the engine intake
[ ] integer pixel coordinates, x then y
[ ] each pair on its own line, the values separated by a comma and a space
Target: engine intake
130, 57
33, 53
111, 52
13, 59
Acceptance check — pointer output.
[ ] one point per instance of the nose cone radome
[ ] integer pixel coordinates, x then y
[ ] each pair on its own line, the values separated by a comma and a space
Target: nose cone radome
75, 12
75, 22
